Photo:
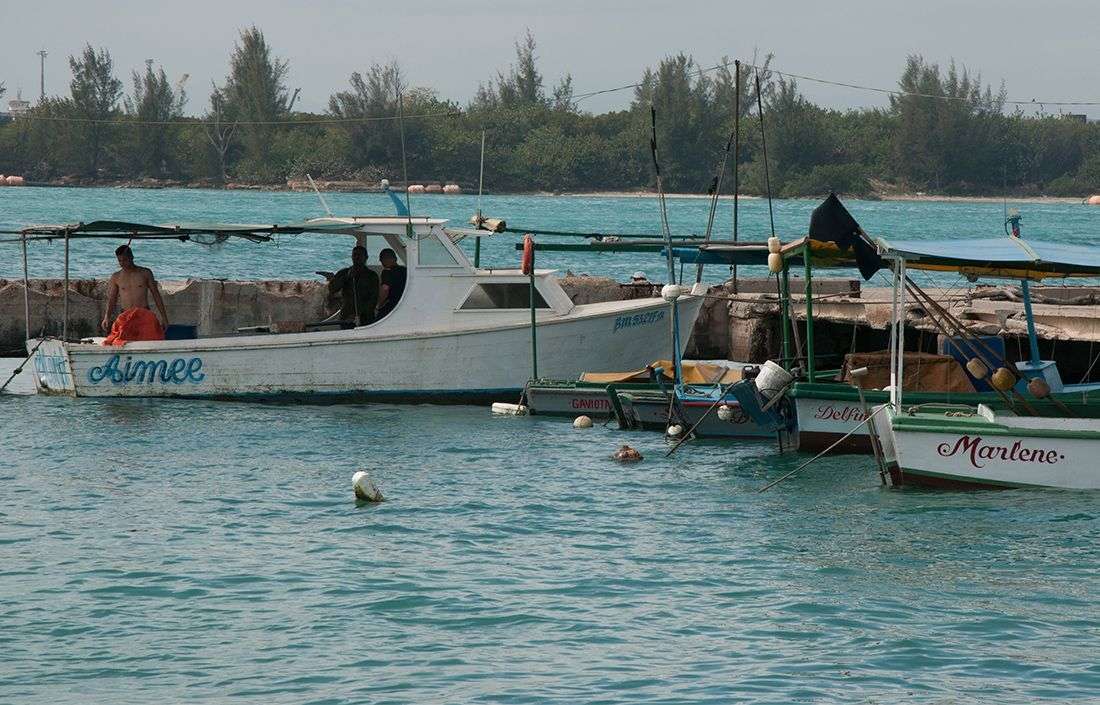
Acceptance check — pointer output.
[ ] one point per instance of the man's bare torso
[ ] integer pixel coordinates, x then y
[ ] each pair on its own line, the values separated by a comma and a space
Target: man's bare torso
133, 287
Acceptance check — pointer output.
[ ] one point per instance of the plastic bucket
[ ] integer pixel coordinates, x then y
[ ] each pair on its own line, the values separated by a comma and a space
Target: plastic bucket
772, 379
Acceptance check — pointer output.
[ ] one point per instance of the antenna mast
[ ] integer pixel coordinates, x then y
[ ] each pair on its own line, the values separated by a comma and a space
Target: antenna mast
42, 74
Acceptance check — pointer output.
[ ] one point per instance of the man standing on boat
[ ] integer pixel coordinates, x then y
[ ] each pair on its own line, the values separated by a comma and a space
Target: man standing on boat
393, 281
356, 287
131, 286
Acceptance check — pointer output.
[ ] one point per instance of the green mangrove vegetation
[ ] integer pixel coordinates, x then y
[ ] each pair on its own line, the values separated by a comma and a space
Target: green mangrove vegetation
944, 132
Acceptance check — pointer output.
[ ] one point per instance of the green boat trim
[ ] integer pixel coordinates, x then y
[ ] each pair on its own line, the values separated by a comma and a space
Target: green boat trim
932, 422
838, 391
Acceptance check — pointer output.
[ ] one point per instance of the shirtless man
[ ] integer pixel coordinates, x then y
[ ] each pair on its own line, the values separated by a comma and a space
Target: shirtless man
131, 286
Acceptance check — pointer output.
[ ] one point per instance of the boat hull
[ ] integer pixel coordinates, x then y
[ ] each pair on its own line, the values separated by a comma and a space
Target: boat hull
650, 411
823, 422
462, 366
937, 450
827, 411
574, 398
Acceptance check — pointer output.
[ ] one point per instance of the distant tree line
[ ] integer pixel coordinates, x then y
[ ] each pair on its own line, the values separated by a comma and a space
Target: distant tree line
945, 132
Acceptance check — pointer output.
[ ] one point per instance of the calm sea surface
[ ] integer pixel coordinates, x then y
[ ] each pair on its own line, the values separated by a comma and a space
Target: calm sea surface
295, 257
194, 552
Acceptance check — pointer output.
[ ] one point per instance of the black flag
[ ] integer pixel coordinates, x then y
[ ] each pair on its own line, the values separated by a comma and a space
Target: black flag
831, 222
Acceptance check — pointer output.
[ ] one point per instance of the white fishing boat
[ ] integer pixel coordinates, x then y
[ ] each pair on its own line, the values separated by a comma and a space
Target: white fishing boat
459, 333
1040, 433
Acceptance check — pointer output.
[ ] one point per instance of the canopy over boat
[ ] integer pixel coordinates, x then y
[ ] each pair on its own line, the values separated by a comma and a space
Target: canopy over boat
1008, 257
693, 373
199, 231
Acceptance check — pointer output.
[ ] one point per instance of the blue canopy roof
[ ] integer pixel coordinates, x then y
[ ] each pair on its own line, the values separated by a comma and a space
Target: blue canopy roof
1008, 257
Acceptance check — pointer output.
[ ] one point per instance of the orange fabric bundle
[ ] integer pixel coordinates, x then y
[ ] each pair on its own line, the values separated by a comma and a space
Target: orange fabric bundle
134, 324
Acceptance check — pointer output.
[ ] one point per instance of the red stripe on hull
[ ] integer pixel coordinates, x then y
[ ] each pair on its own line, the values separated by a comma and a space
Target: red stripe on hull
901, 478
817, 441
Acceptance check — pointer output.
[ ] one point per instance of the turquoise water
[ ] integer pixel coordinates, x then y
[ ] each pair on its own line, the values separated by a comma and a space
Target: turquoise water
299, 257
168, 551
213, 552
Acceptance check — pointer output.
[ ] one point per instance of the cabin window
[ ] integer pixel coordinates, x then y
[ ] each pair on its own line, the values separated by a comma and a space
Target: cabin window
434, 253
493, 296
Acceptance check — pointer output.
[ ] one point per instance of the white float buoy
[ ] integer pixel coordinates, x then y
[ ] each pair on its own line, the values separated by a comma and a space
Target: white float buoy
671, 292
502, 409
774, 245
385, 184
582, 422
365, 488
675, 430
725, 413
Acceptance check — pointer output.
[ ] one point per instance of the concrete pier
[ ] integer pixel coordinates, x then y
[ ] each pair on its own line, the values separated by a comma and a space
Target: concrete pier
736, 326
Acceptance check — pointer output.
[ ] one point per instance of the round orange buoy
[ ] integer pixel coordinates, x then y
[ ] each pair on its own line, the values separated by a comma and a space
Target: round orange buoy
1038, 388
1003, 379
527, 264
1093, 200
976, 368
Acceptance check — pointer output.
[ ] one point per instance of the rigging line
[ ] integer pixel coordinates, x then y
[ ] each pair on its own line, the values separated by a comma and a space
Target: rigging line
716, 185
764, 149
404, 165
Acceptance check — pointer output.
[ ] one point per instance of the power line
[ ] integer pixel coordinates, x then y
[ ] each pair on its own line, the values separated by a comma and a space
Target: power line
843, 84
32, 115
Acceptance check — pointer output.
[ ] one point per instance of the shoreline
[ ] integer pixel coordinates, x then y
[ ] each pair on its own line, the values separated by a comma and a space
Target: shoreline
361, 187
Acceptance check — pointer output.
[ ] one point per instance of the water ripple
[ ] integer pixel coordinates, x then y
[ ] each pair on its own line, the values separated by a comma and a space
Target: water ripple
234, 570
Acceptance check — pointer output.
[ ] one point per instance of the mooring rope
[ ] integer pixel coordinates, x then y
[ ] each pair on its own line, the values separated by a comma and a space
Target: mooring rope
22, 364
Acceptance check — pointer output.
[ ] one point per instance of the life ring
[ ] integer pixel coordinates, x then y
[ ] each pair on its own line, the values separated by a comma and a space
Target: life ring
527, 263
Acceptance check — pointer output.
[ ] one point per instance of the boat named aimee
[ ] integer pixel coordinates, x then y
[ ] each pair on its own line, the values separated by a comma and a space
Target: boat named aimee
459, 333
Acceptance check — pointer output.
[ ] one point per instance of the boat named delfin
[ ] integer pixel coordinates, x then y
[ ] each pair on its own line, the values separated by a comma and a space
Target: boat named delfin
459, 333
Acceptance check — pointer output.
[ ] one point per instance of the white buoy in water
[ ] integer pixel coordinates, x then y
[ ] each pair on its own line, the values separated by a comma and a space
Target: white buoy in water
502, 409
725, 413
582, 422
365, 488
675, 430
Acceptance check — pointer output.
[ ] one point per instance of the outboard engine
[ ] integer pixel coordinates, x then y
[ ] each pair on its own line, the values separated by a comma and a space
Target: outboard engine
761, 393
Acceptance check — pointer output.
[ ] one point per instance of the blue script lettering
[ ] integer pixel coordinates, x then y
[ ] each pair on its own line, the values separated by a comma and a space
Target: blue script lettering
175, 371
638, 319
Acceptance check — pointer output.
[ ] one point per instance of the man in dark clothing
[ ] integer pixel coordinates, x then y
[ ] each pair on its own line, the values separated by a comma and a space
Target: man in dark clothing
356, 289
393, 281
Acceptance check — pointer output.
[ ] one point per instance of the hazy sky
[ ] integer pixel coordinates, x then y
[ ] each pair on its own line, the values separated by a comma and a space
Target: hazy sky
1045, 50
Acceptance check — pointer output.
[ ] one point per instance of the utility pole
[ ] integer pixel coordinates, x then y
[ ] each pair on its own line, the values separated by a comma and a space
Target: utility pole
42, 75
